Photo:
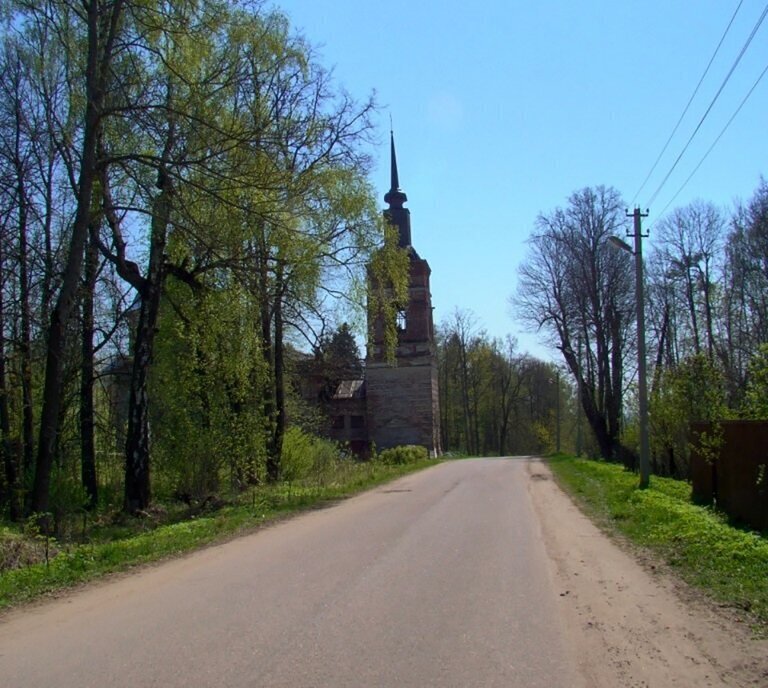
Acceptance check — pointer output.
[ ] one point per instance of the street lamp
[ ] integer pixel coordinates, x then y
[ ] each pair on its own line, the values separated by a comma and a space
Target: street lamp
619, 243
645, 465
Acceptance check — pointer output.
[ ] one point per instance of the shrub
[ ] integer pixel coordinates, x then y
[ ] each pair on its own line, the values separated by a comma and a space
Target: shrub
307, 457
325, 458
409, 453
296, 459
18, 551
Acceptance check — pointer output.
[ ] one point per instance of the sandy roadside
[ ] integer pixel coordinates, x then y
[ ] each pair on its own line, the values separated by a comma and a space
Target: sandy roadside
634, 625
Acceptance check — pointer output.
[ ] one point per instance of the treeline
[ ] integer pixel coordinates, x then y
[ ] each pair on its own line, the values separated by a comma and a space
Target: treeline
496, 400
706, 274
182, 189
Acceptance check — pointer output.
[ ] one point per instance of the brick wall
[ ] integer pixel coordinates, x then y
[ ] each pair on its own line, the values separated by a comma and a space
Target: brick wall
401, 405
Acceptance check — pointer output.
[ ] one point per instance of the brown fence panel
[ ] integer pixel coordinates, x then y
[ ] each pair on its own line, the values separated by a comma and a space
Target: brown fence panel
738, 478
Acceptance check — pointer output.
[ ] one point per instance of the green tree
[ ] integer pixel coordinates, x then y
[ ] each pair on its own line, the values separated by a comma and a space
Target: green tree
337, 358
693, 391
205, 386
756, 397
101, 27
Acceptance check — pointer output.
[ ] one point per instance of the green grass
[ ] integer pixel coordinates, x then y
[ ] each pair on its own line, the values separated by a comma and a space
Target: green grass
74, 564
729, 563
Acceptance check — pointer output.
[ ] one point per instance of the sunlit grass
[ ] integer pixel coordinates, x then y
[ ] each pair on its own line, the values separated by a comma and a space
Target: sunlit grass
120, 549
730, 563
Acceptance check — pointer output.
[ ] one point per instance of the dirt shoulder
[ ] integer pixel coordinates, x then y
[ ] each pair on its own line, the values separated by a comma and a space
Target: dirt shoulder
633, 623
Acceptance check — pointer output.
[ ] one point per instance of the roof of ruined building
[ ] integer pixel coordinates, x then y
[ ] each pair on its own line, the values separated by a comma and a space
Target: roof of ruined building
350, 389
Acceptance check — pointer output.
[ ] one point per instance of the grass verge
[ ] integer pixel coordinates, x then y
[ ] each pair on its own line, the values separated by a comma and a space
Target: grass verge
728, 563
78, 563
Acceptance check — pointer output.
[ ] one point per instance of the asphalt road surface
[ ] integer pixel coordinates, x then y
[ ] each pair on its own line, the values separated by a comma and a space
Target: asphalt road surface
438, 579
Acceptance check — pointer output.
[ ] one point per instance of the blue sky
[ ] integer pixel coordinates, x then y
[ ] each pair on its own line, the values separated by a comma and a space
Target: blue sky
501, 109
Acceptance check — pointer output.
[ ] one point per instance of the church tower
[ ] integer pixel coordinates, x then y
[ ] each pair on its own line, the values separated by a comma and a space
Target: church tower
402, 396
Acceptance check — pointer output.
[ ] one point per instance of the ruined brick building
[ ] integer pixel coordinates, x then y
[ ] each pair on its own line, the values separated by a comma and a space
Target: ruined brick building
396, 403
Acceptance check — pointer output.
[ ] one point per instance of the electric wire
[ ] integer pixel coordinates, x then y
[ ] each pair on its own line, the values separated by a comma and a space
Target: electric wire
711, 105
714, 143
688, 105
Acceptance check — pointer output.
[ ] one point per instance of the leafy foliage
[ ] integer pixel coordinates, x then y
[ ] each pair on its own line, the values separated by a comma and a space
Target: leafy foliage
756, 396
206, 389
220, 172
693, 391
407, 454
312, 460
388, 287
261, 505
495, 400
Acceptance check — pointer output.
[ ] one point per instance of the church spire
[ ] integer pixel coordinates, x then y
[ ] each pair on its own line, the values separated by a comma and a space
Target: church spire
395, 197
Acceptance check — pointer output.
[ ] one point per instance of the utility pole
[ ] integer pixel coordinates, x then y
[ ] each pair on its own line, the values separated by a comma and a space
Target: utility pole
645, 464
557, 391
579, 409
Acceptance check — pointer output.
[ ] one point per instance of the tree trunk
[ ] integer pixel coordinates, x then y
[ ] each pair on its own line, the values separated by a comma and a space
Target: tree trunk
597, 421
87, 447
273, 460
464, 377
25, 344
100, 45
475, 421
689, 294
707, 288
48, 257
279, 376
663, 335
590, 402
10, 455
613, 406
137, 457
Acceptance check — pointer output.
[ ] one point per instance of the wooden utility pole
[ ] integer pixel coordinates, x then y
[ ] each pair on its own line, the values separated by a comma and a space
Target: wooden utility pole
645, 464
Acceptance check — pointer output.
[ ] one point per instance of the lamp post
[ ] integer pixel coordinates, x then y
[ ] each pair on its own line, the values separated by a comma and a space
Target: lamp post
645, 465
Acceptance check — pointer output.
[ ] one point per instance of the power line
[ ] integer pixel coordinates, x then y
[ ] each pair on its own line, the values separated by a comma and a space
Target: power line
714, 143
688, 105
711, 105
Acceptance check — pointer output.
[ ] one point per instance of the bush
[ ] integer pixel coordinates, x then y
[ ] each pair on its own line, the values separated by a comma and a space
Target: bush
17, 551
296, 460
306, 457
326, 456
409, 453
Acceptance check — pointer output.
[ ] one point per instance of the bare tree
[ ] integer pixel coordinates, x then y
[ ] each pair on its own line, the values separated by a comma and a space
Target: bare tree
744, 313
462, 335
690, 241
508, 379
573, 285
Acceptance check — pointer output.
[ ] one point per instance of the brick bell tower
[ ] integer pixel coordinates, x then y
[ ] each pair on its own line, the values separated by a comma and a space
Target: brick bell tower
402, 396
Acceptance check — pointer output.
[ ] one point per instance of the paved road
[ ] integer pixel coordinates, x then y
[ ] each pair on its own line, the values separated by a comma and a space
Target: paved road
438, 579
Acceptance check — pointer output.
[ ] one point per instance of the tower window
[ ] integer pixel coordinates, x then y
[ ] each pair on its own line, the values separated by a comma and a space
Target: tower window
401, 320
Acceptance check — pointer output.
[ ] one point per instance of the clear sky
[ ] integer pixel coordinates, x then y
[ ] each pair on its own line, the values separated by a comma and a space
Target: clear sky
502, 108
